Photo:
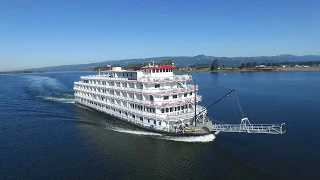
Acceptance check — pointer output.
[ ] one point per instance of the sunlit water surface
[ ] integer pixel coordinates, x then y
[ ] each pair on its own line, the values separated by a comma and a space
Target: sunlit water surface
44, 134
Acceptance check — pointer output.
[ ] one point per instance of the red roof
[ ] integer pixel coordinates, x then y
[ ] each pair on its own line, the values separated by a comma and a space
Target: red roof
158, 67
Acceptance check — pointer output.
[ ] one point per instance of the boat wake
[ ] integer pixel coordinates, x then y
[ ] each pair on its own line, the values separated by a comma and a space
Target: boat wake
136, 132
205, 138
49, 89
57, 99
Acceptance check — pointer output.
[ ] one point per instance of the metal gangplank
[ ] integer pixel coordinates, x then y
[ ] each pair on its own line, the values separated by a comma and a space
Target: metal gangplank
246, 127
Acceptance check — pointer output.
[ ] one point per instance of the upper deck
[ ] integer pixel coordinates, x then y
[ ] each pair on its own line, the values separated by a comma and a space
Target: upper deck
148, 74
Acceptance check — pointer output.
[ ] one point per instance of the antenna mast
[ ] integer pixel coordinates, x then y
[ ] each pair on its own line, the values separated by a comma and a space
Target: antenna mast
195, 103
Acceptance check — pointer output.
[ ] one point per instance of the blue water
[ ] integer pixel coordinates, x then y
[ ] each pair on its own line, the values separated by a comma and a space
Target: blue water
43, 134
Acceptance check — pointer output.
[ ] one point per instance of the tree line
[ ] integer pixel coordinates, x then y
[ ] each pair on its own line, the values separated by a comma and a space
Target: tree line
133, 66
213, 66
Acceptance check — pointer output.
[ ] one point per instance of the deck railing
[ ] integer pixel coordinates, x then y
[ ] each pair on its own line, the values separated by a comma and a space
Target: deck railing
164, 117
189, 88
140, 79
156, 103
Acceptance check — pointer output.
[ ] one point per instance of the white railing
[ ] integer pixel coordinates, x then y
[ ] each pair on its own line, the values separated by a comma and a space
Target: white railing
171, 116
127, 117
142, 79
251, 128
189, 88
166, 79
155, 103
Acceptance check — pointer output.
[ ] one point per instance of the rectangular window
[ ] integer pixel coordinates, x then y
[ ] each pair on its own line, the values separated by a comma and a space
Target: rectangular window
157, 85
190, 93
171, 109
182, 107
185, 94
133, 116
148, 120
162, 110
175, 96
167, 109
159, 123
141, 118
165, 97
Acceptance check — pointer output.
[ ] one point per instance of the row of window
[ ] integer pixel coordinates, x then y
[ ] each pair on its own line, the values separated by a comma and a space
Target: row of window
177, 108
148, 71
131, 105
112, 83
143, 108
131, 95
175, 96
119, 111
124, 94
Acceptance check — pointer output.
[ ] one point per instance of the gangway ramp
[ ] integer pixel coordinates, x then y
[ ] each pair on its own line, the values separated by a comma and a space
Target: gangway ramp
246, 127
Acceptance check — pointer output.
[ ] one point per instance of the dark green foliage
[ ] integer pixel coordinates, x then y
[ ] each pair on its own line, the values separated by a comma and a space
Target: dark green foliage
242, 66
249, 65
200, 66
167, 62
215, 65
134, 66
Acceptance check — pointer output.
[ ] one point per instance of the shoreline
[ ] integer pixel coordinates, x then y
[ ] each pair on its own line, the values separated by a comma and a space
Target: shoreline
302, 69
260, 70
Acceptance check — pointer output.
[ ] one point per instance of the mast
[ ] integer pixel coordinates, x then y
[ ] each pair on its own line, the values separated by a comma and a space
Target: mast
195, 103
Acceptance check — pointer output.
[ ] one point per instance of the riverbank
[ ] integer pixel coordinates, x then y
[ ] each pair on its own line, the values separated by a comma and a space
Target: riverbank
256, 69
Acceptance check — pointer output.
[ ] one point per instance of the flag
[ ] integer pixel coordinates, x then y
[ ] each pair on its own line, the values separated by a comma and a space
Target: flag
109, 66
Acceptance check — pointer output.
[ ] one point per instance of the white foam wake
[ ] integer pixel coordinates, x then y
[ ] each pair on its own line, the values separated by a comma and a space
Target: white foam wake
205, 138
136, 132
62, 100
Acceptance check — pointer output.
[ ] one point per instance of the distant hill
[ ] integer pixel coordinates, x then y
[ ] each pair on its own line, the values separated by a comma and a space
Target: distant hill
185, 61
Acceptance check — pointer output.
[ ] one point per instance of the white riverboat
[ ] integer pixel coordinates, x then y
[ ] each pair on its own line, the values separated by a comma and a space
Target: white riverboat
152, 98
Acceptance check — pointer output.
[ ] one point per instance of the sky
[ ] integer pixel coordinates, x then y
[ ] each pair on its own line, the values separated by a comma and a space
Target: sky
39, 33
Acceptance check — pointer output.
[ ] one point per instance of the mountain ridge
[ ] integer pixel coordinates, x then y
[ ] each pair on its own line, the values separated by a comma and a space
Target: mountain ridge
185, 61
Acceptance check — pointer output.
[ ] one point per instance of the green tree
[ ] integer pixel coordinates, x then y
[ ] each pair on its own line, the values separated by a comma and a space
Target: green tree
249, 65
242, 66
115, 65
166, 62
215, 65
254, 64
275, 64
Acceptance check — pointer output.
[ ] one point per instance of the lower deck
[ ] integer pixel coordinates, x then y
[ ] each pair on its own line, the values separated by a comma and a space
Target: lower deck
156, 126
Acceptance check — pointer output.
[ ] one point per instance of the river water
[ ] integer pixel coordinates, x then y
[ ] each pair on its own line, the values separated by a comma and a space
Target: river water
44, 134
